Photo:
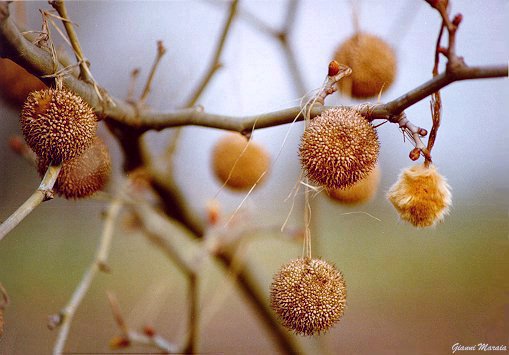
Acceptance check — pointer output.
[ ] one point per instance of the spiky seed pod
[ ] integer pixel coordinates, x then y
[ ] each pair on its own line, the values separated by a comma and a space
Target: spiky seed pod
373, 64
421, 196
1, 322
360, 192
16, 83
84, 175
57, 124
309, 295
338, 148
238, 166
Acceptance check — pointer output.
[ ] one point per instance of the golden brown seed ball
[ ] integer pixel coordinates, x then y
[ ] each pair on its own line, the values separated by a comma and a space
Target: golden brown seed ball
16, 83
373, 64
309, 296
84, 175
57, 124
360, 192
338, 148
421, 196
1, 322
238, 164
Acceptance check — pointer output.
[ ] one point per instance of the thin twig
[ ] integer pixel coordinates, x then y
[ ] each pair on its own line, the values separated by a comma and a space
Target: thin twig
129, 336
85, 74
43, 193
161, 50
64, 318
215, 63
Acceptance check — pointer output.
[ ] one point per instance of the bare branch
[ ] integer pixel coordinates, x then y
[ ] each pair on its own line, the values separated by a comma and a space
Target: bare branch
215, 64
161, 50
43, 193
39, 61
65, 316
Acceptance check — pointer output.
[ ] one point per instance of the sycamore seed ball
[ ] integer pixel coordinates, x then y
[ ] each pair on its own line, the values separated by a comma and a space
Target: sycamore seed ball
84, 175
57, 124
373, 64
421, 196
239, 163
16, 83
308, 295
338, 148
360, 192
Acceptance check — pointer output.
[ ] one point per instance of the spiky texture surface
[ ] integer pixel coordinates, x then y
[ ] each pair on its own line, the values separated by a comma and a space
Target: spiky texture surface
239, 164
84, 175
309, 296
360, 192
57, 124
421, 196
16, 83
339, 148
373, 64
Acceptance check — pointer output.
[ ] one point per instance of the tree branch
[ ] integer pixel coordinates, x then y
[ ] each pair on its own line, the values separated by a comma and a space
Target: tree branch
39, 62
43, 193
65, 316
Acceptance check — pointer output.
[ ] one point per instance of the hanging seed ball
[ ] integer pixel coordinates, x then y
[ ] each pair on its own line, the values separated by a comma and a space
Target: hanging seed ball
309, 296
57, 124
239, 163
360, 192
373, 64
338, 148
16, 83
421, 196
84, 175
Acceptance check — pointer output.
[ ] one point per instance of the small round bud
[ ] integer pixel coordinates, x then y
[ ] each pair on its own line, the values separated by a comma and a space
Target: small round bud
339, 148
373, 64
84, 175
57, 124
423, 132
239, 163
308, 295
333, 68
16, 83
421, 196
415, 154
457, 19
360, 192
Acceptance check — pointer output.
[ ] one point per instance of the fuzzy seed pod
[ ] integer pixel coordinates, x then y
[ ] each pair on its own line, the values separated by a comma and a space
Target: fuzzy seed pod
57, 124
421, 196
373, 64
16, 83
238, 166
360, 192
84, 175
339, 148
309, 296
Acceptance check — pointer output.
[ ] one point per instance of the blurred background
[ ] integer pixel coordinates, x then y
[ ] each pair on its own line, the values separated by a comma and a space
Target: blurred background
409, 290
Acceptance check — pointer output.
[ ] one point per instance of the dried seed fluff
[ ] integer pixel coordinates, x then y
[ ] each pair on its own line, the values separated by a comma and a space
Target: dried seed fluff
238, 164
373, 64
84, 175
339, 148
57, 124
421, 196
308, 295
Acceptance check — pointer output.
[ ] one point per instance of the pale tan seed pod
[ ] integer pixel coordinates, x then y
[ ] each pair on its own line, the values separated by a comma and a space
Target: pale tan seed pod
339, 148
57, 124
308, 295
239, 164
373, 64
360, 192
421, 196
84, 175
16, 83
